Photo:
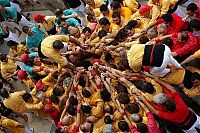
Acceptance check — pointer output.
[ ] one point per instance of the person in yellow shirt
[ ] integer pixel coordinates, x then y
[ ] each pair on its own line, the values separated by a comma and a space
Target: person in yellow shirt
14, 101
117, 22
105, 12
124, 11
16, 50
51, 46
163, 5
194, 56
22, 75
11, 125
132, 4
46, 23
8, 67
94, 5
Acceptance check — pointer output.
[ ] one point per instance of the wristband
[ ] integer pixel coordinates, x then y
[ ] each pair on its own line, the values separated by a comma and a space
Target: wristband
123, 114
41, 68
157, 40
98, 86
60, 124
75, 88
67, 106
78, 110
137, 78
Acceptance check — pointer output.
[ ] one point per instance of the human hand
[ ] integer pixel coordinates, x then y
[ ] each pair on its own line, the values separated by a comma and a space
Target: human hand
98, 80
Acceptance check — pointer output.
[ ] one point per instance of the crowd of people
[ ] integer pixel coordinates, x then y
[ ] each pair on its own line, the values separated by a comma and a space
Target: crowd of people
102, 66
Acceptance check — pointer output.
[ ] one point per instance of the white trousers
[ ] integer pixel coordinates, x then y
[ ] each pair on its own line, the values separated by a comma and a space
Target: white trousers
196, 125
12, 36
16, 6
25, 22
167, 59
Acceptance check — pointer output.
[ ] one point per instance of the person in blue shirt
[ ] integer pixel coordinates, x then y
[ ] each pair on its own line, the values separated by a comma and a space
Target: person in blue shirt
64, 24
34, 37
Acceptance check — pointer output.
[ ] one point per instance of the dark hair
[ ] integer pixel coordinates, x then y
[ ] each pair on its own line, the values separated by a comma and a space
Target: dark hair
123, 98
121, 88
26, 96
102, 33
143, 40
108, 120
167, 18
58, 91
4, 93
109, 110
87, 29
58, 130
104, 21
71, 110
1, 85
132, 23
12, 43
86, 93
82, 81
58, 12
57, 44
108, 57
103, 7
105, 95
89, 17
60, 20
123, 126
121, 35
195, 23
192, 7
116, 15
86, 109
115, 5
195, 76
142, 128
25, 29
148, 87
170, 105
55, 99
73, 100
168, 41
124, 65
184, 36
3, 57
132, 108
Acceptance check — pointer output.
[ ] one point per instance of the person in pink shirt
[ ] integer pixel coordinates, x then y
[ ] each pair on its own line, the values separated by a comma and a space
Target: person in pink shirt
193, 9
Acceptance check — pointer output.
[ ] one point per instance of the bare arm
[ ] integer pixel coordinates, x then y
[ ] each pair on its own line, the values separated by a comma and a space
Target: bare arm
190, 58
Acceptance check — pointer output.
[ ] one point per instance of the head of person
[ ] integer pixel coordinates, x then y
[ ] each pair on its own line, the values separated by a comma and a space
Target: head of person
152, 33
86, 108
105, 24
168, 41
58, 12
62, 23
1, 85
170, 105
27, 97
12, 44
104, 10
108, 119
183, 36
143, 40
162, 29
37, 61
108, 108
39, 18
160, 98
195, 24
40, 86
155, 1
4, 93
142, 128
136, 118
54, 99
116, 6
73, 101
67, 120
195, 78
85, 127
102, 33
132, 108
91, 18
105, 95
92, 119
3, 58
24, 58
123, 126
58, 91
2, 9
121, 36
108, 128
144, 86
27, 30
71, 110
57, 44
123, 98
167, 18
86, 92
121, 88
87, 32
192, 9
116, 18
144, 10
132, 23
73, 31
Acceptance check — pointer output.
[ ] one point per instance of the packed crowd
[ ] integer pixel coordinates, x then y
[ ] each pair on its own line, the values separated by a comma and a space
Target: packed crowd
102, 66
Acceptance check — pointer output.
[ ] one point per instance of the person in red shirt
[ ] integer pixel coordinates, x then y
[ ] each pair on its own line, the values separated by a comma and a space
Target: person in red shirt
174, 23
193, 9
177, 111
